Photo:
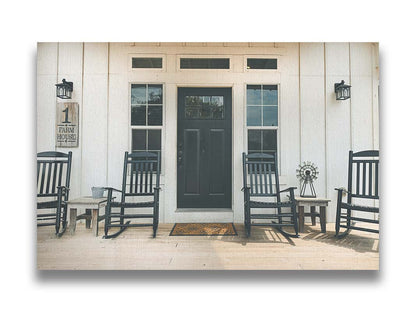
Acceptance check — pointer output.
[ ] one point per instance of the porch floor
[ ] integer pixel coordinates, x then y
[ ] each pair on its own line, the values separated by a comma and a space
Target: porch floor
266, 249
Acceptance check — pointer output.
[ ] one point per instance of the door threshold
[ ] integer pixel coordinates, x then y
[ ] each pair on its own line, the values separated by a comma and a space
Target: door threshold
203, 215
203, 210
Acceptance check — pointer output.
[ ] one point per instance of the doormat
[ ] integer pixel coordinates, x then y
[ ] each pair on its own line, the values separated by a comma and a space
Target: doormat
203, 229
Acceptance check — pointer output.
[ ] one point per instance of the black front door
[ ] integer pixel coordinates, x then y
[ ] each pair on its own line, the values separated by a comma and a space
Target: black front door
204, 148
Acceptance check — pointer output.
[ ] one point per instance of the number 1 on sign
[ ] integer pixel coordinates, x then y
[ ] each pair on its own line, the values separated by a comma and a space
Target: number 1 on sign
66, 115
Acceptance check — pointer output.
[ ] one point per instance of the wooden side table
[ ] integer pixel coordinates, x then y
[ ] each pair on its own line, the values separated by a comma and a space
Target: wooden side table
91, 216
322, 203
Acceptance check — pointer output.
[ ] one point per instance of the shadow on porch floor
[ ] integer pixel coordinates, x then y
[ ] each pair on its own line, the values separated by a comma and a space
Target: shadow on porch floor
266, 249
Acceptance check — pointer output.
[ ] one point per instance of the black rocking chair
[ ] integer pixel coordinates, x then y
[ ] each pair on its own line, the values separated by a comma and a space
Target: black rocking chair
141, 176
53, 178
363, 177
261, 179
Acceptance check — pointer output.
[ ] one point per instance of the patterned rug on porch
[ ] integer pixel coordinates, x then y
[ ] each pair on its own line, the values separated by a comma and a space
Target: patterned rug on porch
203, 229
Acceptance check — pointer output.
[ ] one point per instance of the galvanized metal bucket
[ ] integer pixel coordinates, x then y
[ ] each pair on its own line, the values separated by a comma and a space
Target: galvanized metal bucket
97, 192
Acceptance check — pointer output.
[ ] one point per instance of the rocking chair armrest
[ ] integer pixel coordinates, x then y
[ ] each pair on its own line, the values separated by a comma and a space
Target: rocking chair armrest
244, 188
112, 188
110, 196
63, 187
340, 189
63, 190
288, 189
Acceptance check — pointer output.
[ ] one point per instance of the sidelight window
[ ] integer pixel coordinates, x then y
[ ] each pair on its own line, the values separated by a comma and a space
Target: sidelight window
262, 118
146, 117
262, 141
146, 140
146, 104
262, 105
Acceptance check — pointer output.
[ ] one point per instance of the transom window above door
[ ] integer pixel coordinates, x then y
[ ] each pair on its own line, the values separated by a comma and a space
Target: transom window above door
204, 63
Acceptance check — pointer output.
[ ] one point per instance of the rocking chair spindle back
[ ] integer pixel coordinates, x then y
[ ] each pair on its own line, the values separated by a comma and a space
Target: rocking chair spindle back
53, 180
141, 178
261, 179
363, 176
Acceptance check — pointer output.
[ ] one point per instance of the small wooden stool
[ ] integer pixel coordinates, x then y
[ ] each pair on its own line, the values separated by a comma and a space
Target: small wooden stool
91, 216
311, 202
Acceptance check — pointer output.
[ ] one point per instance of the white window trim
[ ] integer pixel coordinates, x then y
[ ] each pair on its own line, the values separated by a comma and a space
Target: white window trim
132, 55
209, 56
151, 127
262, 56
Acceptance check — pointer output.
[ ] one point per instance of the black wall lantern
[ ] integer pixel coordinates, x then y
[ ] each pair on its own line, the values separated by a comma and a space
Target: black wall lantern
64, 89
342, 91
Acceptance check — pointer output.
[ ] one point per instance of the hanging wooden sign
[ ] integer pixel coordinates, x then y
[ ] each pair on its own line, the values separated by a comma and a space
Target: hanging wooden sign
67, 124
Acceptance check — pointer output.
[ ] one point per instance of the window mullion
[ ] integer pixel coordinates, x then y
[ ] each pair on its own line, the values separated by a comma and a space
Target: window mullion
261, 104
147, 117
261, 141
147, 140
147, 104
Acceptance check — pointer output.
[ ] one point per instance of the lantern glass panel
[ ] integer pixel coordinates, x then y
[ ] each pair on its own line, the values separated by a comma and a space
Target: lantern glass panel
61, 92
68, 93
346, 93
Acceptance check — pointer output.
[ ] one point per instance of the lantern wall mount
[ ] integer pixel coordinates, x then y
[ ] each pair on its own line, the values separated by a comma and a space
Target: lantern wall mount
342, 90
64, 89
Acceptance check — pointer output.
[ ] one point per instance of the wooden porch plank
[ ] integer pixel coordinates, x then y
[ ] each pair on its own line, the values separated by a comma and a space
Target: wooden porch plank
267, 249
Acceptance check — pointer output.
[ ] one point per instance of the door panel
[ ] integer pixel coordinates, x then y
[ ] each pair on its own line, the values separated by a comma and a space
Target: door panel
216, 161
204, 148
191, 160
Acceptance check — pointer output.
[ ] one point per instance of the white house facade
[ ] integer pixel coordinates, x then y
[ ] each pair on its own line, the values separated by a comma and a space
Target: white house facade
270, 97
